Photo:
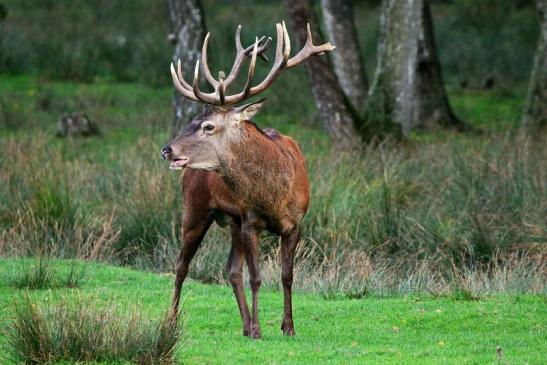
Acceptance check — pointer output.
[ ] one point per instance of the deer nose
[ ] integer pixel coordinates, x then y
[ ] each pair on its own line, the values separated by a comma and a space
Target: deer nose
166, 152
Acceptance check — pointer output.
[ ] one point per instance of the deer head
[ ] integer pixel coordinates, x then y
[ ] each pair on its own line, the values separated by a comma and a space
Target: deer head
208, 137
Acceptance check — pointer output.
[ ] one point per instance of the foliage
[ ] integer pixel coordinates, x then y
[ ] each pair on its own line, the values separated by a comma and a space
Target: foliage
122, 41
487, 38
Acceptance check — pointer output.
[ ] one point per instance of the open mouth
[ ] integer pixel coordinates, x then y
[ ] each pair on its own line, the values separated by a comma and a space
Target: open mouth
178, 163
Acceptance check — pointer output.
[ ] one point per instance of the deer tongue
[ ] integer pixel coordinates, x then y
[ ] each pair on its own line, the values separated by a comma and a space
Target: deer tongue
178, 164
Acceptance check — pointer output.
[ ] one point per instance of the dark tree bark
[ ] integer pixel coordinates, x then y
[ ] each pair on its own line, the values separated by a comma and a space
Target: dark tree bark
329, 99
348, 65
188, 24
408, 89
535, 111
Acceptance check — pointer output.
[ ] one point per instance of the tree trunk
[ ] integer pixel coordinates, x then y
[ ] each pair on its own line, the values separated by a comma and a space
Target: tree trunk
535, 111
329, 99
408, 89
188, 24
348, 66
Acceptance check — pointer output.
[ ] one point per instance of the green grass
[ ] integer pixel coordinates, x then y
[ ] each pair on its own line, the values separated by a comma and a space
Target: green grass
370, 330
43, 273
496, 110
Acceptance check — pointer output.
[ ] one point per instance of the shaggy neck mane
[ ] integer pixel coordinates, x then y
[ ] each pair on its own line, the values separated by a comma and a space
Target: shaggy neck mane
262, 171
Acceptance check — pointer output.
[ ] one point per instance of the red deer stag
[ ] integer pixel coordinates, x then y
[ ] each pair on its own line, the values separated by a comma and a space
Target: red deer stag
235, 172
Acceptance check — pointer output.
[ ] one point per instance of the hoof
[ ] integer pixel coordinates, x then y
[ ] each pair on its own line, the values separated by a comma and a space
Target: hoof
288, 332
255, 333
287, 328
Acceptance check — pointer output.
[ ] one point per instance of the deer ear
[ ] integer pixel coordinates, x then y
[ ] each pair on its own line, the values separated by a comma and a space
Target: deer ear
248, 111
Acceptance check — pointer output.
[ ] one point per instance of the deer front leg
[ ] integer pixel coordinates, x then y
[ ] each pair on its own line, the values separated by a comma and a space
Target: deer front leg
235, 272
288, 247
250, 236
192, 236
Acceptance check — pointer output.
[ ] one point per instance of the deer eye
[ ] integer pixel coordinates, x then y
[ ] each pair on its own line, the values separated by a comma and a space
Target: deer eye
208, 128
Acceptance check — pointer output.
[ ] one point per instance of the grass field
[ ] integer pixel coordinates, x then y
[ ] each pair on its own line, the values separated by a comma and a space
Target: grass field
440, 240
371, 330
429, 250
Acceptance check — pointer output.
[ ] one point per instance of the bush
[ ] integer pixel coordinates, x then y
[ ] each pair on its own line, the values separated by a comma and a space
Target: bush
84, 332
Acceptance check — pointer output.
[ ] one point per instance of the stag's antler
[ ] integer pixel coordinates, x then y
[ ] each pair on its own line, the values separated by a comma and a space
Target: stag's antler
281, 62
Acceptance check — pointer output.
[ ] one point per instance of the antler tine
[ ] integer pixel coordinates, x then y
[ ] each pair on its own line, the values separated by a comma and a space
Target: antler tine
204, 98
272, 75
239, 47
286, 43
249, 50
309, 50
241, 54
251, 73
184, 91
261, 48
238, 60
206, 71
181, 77
279, 46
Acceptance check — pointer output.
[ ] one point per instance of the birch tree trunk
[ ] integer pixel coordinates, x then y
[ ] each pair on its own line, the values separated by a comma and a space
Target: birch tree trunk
408, 89
348, 65
188, 24
535, 111
328, 96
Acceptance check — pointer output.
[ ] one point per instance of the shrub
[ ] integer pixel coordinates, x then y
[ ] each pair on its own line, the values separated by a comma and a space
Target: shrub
83, 331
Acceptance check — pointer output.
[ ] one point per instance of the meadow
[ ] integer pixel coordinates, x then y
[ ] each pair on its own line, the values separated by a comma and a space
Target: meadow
405, 329
429, 250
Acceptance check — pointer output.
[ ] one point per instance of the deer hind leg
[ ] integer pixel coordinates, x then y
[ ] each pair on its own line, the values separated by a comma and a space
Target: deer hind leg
193, 232
250, 236
288, 248
235, 272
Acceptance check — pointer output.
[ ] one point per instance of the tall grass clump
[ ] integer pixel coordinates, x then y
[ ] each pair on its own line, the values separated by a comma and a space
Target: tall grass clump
440, 199
83, 331
39, 275
356, 274
72, 208
44, 273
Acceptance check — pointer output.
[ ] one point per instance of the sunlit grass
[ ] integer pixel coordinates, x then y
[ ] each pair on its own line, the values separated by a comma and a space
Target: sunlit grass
411, 328
43, 273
